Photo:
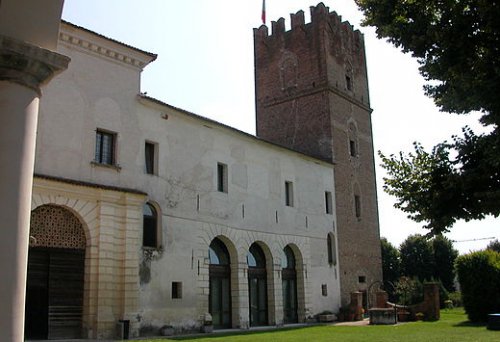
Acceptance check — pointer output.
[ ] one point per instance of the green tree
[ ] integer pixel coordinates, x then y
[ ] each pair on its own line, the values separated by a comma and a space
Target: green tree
457, 44
391, 262
444, 261
494, 246
417, 258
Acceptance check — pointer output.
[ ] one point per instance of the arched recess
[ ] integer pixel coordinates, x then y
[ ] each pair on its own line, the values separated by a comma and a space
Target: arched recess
56, 274
293, 269
219, 298
260, 284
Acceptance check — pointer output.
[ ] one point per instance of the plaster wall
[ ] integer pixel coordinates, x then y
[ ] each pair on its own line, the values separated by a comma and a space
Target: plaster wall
100, 91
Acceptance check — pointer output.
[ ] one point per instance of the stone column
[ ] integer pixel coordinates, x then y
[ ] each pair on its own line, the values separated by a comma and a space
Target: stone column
23, 69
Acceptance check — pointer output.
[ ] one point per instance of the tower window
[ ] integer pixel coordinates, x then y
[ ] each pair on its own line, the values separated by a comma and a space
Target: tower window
328, 202
352, 148
357, 205
348, 82
221, 177
289, 194
105, 147
150, 160
362, 279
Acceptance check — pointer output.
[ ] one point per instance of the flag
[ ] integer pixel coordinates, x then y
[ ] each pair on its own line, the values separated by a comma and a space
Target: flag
263, 17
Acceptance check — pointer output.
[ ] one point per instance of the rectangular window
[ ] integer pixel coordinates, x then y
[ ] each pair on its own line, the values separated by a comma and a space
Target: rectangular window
221, 177
361, 279
289, 194
357, 205
348, 82
176, 290
105, 147
149, 154
324, 290
328, 202
352, 148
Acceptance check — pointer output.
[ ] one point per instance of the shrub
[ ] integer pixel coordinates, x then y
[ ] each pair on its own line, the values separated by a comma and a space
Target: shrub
409, 291
479, 277
456, 298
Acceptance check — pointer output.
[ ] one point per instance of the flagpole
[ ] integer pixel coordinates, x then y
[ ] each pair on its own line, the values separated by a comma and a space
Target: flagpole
263, 16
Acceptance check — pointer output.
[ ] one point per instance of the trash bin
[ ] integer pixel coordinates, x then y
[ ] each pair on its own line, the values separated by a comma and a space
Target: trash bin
123, 329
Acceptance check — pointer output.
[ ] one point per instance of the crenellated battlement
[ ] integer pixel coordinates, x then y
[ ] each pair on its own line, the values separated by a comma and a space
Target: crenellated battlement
320, 17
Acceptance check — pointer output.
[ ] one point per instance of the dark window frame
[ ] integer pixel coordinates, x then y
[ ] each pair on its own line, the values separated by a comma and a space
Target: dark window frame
328, 203
105, 147
222, 181
177, 290
289, 200
150, 158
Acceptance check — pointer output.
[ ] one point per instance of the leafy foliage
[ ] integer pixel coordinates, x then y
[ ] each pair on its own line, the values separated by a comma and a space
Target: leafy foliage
494, 246
391, 261
479, 277
409, 291
417, 258
444, 262
457, 44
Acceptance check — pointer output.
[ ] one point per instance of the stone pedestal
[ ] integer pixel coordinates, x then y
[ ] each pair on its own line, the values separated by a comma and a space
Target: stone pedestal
23, 68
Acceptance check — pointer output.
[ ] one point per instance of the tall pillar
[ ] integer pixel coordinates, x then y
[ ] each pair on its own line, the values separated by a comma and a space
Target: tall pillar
23, 69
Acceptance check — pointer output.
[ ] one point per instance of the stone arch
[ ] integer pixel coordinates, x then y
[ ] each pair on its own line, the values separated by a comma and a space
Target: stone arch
86, 212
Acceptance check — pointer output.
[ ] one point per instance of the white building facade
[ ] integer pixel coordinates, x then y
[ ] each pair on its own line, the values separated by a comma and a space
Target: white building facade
146, 213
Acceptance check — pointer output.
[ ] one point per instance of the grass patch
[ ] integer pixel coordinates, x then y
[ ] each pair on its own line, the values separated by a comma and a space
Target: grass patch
452, 327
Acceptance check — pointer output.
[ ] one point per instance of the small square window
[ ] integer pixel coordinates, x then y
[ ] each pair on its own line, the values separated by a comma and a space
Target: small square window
222, 177
176, 290
289, 194
328, 202
361, 279
150, 158
105, 147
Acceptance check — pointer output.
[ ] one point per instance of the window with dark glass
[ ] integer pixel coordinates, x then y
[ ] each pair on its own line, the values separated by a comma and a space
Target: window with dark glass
105, 147
289, 286
219, 299
257, 286
149, 154
221, 177
289, 194
150, 226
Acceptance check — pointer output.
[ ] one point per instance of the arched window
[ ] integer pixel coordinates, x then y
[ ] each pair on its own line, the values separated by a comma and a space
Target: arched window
288, 259
257, 285
219, 299
332, 249
150, 226
289, 286
217, 253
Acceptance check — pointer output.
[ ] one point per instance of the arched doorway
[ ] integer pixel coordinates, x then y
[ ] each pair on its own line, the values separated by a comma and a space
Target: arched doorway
289, 281
54, 289
219, 298
257, 285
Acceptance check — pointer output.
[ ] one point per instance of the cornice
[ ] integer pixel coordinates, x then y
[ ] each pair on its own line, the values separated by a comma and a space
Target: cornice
98, 49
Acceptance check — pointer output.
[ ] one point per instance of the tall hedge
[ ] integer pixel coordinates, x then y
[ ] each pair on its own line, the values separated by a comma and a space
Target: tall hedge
479, 277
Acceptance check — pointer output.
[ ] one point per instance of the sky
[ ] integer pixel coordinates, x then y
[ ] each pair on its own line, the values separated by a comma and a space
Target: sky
205, 65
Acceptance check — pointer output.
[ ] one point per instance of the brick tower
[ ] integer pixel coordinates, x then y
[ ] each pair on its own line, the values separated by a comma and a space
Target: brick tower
312, 97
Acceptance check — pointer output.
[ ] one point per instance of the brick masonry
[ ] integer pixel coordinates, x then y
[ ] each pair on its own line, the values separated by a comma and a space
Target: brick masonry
312, 96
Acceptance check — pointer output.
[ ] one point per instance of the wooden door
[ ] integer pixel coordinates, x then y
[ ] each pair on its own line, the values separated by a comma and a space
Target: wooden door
54, 293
